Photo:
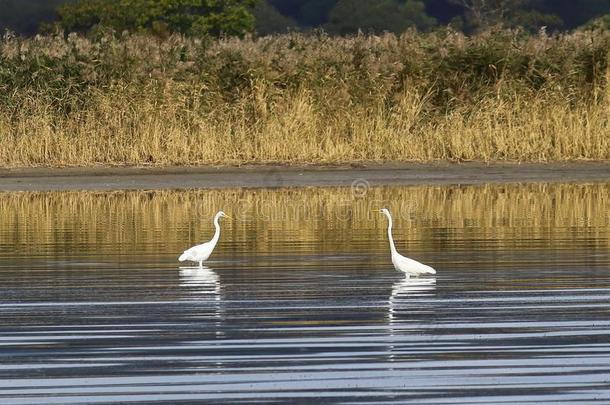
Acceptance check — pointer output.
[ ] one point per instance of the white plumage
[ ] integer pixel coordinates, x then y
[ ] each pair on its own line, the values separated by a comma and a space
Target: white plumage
201, 253
401, 263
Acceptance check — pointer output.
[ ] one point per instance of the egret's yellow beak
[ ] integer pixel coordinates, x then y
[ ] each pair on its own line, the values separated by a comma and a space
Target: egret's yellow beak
226, 216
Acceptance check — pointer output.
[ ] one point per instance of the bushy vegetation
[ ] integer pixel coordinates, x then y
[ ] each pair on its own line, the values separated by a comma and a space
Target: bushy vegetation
334, 16
196, 17
294, 98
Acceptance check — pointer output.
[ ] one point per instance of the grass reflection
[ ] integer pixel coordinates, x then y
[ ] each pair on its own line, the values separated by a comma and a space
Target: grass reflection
303, 220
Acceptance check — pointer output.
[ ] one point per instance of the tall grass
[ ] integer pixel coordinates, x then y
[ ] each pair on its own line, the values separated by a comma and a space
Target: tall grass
498, 96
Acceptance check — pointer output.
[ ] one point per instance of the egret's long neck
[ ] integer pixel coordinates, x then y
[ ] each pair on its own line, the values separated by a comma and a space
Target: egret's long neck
217, 233
392, 247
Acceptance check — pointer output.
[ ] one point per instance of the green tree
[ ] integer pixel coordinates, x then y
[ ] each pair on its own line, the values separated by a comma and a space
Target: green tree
307, 13
315, 12
349, 16
201, 17
599, 23
25, 16
573, 13
270, 21
481, 14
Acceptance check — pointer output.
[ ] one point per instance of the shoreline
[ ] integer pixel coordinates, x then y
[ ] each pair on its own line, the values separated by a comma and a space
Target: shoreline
273, 176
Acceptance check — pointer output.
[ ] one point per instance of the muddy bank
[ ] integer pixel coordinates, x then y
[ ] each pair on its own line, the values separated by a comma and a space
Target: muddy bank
131, 178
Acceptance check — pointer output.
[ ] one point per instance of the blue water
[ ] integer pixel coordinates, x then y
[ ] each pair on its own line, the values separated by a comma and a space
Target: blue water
505, 321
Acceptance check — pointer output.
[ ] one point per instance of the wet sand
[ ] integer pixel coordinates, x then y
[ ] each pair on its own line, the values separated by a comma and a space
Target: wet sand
168, 178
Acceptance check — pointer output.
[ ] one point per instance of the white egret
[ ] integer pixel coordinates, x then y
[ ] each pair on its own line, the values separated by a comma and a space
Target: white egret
408, 266
200, 253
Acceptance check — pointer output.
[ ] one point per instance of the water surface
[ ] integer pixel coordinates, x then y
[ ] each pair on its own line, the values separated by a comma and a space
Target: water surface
300, 302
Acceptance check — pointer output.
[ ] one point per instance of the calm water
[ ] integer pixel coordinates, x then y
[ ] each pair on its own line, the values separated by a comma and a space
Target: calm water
300, 303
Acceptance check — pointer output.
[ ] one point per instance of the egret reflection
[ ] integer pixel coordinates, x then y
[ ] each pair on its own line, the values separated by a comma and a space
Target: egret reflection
408, 311
405, 302
200, 280
204, 286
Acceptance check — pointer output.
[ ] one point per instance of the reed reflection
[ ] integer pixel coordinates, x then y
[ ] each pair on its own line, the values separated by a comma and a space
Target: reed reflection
131, 225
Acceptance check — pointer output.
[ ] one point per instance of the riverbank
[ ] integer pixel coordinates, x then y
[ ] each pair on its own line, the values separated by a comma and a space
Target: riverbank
168, 178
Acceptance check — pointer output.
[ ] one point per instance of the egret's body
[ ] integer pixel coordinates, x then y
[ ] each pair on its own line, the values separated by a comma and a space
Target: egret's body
401, 263
201, 253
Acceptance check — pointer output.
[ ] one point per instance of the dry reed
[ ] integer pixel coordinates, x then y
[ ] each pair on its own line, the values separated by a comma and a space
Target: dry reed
137, 100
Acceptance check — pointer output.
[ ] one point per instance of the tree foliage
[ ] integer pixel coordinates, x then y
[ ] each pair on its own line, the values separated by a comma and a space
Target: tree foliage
573, 13
216, 17
308, 13
349, 16
269, 20
600, 23
25, 16
201, 17
481, 14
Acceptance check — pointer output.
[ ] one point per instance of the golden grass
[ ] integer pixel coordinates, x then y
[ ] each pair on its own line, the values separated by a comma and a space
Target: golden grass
139, 101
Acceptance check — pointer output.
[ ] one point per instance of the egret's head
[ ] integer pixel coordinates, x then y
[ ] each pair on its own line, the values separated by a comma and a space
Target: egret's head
384, 211
222, 214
